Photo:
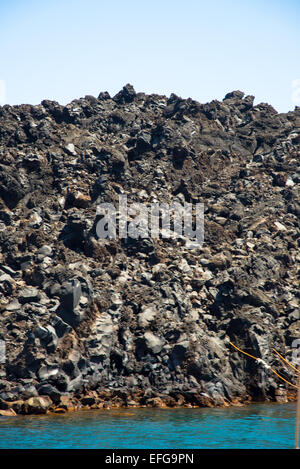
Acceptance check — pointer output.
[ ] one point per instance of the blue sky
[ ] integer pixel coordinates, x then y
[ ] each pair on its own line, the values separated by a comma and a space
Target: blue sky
202, 49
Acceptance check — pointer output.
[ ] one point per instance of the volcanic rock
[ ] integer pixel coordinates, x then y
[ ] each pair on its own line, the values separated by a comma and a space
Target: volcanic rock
147, 320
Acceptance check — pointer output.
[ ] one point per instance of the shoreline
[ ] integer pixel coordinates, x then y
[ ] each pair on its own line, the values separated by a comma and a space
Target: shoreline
43, 405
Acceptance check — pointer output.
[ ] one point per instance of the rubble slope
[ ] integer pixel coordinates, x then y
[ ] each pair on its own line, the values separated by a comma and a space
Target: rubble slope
147, 321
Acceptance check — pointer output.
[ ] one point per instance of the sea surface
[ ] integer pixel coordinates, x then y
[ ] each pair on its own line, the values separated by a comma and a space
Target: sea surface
257, 426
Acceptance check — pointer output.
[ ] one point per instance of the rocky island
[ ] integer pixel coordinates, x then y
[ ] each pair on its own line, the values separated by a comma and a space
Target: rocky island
87, 322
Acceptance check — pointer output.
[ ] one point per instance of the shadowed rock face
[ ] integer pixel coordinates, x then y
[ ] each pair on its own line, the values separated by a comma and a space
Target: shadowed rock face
146, 321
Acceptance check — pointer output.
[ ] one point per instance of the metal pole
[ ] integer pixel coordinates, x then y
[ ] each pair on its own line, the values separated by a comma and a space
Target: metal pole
298, 410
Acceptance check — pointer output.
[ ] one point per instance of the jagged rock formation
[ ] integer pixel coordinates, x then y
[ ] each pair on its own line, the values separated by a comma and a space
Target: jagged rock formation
91, 321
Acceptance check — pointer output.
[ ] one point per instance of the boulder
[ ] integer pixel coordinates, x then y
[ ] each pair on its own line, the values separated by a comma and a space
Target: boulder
37, 405
8, 413
29, 295
153, 342
51, 391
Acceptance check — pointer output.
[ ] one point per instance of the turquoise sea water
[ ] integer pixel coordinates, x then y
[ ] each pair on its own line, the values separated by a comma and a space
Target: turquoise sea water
269, 426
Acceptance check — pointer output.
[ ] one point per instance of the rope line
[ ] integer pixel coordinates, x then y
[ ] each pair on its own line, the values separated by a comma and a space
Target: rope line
265, 364
245, 353
288, 382
288, 363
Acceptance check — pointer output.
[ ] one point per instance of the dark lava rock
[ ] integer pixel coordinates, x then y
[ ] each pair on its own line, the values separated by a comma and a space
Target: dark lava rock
29, 295
142, 319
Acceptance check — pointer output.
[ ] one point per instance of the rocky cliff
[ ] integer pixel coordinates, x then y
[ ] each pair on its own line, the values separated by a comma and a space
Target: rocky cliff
99, 322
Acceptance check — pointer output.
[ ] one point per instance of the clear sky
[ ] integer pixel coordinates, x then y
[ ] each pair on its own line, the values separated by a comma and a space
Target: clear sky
65, 49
